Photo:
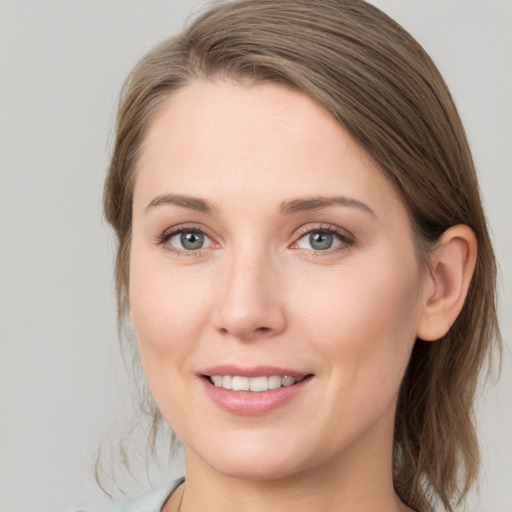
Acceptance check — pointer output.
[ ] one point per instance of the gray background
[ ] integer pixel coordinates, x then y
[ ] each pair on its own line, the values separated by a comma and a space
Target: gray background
63, 386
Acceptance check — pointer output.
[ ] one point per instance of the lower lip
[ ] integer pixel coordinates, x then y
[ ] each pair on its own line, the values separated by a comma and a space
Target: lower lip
251, 403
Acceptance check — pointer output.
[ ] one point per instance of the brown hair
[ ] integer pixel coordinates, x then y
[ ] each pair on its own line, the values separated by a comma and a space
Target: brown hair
383, 88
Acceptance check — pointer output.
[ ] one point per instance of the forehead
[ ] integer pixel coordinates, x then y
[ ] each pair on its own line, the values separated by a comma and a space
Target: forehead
241, 142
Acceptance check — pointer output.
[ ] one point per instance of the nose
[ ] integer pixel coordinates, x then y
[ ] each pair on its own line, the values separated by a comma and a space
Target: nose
250, 305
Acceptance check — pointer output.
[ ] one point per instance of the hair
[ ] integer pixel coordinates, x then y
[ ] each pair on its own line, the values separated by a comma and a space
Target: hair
383, 88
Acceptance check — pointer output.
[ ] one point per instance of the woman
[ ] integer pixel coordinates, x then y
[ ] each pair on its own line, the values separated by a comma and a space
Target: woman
305, 261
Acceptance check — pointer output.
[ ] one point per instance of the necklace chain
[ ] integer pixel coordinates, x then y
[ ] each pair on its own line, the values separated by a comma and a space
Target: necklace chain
181, 499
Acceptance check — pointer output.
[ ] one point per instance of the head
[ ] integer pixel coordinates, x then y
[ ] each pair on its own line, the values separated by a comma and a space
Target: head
379, 86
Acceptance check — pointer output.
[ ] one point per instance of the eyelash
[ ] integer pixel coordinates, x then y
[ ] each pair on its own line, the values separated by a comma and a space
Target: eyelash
346, 239
167, 235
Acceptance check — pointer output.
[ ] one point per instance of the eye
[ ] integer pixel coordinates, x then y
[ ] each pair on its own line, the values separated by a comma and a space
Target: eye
186, 240
323, 239
318, 241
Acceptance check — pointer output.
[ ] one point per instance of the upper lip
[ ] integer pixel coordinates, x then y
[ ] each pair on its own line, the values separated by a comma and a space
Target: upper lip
253, 371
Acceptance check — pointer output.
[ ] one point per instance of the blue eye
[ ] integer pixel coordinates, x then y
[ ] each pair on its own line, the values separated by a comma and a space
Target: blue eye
188, 240
321, 240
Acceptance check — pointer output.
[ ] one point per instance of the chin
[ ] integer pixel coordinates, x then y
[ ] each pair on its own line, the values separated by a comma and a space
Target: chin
257, 468
253, 458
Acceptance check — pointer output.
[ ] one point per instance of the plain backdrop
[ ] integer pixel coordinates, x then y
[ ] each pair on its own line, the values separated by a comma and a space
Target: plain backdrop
63, 384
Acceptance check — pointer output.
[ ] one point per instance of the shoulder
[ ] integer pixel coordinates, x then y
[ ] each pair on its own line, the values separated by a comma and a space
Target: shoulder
152, 502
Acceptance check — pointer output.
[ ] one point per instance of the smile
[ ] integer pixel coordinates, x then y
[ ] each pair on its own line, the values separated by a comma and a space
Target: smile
253, 391
255, 384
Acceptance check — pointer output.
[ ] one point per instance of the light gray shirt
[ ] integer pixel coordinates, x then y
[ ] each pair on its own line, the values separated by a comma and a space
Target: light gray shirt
152, 502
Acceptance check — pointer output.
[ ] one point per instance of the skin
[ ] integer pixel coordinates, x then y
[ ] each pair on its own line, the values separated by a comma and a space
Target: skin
258, 293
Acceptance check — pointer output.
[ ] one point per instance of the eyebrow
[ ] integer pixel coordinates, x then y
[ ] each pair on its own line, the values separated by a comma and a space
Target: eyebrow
191, 203
287, 207
318, 202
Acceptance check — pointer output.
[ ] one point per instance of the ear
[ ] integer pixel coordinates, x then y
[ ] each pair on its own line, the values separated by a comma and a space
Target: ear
453, 263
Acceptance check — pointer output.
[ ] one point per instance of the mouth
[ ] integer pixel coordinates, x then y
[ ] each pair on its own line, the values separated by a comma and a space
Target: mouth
254, 379
253, 391
257, 384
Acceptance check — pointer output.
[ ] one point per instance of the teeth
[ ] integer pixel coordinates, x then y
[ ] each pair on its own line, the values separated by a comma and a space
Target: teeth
288, 381
239, 383
218, 380
227, 382
256, 384
274, 382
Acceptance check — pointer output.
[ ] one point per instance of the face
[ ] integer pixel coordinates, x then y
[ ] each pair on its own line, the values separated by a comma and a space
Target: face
274, 287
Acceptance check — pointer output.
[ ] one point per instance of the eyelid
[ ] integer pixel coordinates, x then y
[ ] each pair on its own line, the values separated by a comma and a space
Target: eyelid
347, 239
167, 234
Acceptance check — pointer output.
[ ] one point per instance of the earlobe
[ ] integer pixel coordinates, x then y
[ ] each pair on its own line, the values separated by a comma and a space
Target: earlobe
453, 264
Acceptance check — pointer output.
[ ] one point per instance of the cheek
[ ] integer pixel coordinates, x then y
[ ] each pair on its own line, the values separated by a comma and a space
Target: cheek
365, 322
167, 312
168, 308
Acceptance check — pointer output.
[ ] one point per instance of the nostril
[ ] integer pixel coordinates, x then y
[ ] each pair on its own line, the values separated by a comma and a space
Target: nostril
246, 333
